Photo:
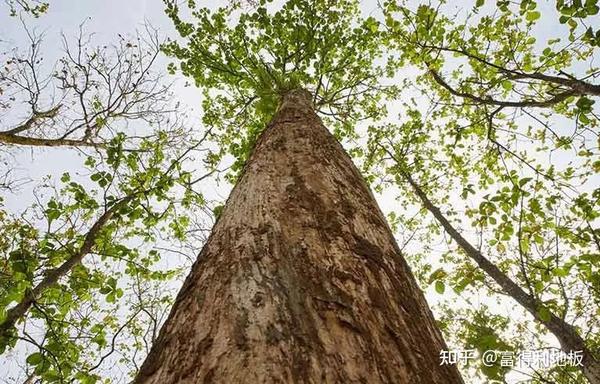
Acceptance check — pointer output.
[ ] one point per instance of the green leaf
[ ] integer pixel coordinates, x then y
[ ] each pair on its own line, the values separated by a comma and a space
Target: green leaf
572, 23
544, 313
437, 274
584, 119
440, 287
34, 358
561, 272
524, 181
532, 16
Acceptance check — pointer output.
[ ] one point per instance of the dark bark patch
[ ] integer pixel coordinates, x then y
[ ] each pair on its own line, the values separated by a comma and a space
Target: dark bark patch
377, 298
199, 296
279, 144
368, 250
239, 330
374, 218
342, 276
301, 365
298, 249
205, 344
258, 300
209, 378
301, 196
329, 223
347, 209
350, 323
263, 228
273, 335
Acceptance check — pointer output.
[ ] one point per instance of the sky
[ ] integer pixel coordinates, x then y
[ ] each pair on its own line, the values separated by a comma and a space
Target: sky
106, 19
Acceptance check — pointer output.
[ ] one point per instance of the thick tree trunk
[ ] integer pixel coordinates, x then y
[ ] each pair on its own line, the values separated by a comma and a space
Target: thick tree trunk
301, 280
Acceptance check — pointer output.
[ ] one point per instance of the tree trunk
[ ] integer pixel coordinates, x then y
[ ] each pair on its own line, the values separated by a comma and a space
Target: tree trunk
301, 280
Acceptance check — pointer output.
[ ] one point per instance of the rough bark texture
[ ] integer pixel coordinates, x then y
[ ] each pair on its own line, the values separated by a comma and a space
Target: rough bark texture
301, 280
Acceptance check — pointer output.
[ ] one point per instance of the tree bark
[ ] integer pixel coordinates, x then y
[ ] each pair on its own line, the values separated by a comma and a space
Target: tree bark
301, 280
12, 139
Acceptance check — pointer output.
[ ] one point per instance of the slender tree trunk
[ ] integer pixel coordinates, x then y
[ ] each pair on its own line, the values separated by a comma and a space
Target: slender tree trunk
52, 276
567, 335
301, 280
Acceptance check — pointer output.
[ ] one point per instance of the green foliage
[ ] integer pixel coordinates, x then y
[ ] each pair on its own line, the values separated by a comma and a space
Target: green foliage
499, 128
481, 332
507, 148
574, 13
36, 8
142, 184
245, 60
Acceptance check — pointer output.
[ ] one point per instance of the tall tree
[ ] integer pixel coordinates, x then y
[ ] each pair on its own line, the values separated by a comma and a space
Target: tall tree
301, 279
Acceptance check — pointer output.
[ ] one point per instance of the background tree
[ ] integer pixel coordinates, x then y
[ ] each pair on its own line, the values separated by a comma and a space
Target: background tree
84, 271
509, 135
86, 96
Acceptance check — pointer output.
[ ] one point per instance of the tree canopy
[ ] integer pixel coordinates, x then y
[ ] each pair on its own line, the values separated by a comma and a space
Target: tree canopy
244, 61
